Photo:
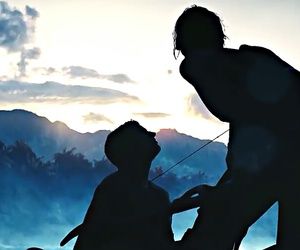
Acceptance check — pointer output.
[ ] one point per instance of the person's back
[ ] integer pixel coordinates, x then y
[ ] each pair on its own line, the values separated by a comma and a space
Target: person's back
124, 217
246, 85
128, 211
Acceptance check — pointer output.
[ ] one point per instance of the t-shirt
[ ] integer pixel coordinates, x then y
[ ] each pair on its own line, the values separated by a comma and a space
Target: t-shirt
122, 216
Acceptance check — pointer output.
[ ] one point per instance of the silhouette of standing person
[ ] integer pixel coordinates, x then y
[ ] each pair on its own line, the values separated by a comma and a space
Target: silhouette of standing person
128, 211
258, 94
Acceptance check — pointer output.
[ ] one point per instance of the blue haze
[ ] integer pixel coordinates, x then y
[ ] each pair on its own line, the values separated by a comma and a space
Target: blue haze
44, 198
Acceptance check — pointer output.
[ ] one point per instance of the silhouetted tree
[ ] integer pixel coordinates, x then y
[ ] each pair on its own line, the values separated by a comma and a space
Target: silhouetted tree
2, 147
23, 157
4, 161
68, 162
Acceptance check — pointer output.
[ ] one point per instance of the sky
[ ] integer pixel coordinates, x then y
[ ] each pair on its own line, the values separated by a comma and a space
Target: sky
96, 64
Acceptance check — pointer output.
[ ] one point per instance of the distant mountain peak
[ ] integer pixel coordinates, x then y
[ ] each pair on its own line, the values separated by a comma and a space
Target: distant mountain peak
47, 138
172, 134
167, 132
18, 111
60, 124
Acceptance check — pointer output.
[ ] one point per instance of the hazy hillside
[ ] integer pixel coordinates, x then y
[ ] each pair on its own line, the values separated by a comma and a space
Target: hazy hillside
175, 146
43, 198
47, 138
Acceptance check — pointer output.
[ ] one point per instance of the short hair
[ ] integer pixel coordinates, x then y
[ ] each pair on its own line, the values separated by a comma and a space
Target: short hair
125, 143
198, 27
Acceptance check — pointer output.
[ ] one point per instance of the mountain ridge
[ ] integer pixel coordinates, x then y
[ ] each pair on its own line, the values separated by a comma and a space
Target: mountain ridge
47, 138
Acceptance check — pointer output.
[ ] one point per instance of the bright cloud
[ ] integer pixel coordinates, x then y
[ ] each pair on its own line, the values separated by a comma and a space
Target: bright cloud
49, 92
82, 72
94, 117
152, 115
27, 54
15, 26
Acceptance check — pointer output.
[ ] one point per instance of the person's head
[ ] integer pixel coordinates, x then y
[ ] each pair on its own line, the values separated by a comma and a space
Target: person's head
198, 28
131, 146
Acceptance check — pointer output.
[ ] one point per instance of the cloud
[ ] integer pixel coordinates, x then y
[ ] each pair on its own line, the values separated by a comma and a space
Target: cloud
16, 30
197, 107
33, 13
47, 71
152, 115
15, 27
84, 73
16, 91
13, 30
93, 117
119, 78
27, 54
81, 72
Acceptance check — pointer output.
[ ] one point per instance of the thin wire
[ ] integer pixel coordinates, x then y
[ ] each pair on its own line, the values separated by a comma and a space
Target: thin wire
188, 156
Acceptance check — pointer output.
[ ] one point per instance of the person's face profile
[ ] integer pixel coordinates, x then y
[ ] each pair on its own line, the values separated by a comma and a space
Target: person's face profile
147, 139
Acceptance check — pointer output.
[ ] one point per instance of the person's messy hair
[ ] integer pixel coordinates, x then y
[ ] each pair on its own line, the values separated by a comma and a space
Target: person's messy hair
127, 144
198, 27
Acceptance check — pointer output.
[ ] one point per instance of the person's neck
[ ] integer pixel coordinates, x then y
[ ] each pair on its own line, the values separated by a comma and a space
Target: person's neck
191, 51
136, 178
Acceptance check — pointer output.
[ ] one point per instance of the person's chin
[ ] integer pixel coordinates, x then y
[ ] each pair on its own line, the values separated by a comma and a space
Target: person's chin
157, 150
154, 151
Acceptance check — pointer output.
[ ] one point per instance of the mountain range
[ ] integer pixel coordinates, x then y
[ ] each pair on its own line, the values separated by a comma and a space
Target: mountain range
47, 138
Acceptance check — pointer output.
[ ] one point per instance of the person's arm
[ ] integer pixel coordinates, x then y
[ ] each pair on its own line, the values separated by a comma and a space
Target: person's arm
191, 199
92, 230
84, 228
72, 234
164, 205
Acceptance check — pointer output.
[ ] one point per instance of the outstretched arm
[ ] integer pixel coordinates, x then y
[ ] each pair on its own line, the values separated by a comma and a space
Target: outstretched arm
72, 234
190, 199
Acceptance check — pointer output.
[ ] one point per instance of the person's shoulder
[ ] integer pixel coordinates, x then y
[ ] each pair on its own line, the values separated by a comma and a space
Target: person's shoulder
246, 47
108, 181
162, 193
257, 50
190, 67
156, 187
193, 62
110, 178
183, 68
267, 56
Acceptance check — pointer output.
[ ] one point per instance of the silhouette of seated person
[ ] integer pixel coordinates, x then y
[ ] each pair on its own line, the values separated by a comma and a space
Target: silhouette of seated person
258, 94
127, 210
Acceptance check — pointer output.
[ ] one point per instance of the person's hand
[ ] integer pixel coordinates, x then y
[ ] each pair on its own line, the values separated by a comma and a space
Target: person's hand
190, 199
200, 190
